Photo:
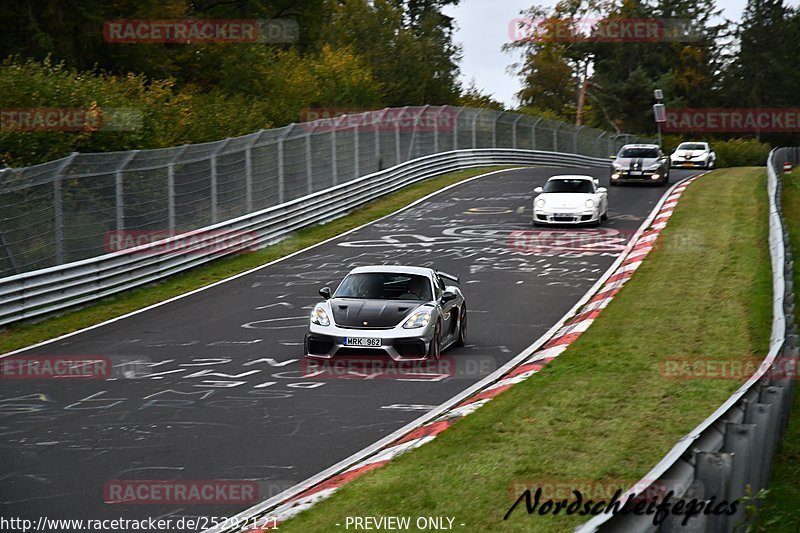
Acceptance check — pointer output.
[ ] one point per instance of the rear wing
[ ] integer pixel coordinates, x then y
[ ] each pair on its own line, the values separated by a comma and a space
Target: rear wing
451, 277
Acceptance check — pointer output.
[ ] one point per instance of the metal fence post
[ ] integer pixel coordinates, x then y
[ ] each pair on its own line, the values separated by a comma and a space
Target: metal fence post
357, 150
533, 133
213, 180
334, 164
171, 187
58, 208
575, 139
740, 441
59, 219
759, 414
773, 396
309, 175
282, 163
436, 131
248, 172
597, 145
475, 129
514, 132
455, 127
118, 191
494, 128
397, 133
377, 128
555, 137
713, 472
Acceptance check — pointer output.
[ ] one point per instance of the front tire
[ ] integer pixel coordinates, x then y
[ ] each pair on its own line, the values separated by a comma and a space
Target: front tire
462, 327
435, 347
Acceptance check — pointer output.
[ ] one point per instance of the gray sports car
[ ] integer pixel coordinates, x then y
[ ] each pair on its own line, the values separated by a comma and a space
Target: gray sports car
407, 313
641, 163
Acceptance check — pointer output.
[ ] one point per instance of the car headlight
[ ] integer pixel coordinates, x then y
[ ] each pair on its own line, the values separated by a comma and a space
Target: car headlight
320, 317
419, 319
617, 166
654, 167
540, 203
589, 203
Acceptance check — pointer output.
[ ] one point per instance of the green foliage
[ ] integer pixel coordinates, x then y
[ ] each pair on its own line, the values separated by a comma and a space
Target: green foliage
474, 97
350, 54
741, 153
752, 64
170, 116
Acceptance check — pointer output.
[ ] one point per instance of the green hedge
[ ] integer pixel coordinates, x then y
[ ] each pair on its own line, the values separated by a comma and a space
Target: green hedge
741, 153
283, 82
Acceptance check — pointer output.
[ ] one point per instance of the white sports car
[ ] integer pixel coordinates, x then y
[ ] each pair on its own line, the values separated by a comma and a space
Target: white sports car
570, 200
692, 155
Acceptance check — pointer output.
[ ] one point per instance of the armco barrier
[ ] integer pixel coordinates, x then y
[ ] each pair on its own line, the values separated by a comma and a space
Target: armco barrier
52, 289
729, 455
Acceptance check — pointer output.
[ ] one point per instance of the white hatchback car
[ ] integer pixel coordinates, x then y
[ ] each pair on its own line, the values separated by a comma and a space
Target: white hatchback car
693, 155
570, 199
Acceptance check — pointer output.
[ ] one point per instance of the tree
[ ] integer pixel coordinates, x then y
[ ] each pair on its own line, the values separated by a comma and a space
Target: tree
764, 72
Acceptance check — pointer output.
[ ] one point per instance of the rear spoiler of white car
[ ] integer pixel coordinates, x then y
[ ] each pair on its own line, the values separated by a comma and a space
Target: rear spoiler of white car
451, 277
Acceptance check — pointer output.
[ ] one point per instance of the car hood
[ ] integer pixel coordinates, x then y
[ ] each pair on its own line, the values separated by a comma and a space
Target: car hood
636, 162
689, 153
573, 200
355, 313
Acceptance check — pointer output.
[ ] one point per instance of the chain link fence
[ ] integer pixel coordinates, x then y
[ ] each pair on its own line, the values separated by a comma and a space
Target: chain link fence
65, 210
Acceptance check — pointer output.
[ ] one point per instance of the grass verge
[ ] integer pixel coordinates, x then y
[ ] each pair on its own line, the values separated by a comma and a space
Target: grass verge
24, 334
602, 410
781, 511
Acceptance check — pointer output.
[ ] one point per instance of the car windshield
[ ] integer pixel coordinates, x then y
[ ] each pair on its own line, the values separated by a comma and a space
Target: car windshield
639, 152
385, 286
567, 185
691, 146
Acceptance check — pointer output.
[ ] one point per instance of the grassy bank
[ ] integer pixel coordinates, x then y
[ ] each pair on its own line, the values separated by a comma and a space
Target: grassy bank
25, 334
602, 410
781, 511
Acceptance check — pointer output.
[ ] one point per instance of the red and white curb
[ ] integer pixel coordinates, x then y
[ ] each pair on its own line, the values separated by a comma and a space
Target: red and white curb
555, 346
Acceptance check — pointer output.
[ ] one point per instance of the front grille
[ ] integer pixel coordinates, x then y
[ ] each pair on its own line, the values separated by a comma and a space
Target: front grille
410, 348
317, 346
349, 350
585, 218
564, 219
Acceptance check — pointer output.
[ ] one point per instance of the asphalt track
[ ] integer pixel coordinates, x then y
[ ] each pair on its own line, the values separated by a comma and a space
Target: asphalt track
223, 393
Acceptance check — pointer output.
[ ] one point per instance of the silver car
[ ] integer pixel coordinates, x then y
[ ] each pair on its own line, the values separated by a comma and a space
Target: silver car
407, 313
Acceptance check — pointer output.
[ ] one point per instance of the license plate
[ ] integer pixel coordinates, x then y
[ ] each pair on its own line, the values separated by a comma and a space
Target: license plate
366, 342
636, 172
570, 215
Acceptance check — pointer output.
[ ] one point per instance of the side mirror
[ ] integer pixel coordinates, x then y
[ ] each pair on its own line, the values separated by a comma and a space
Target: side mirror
538, 190
602, 189
325, 292
448, 295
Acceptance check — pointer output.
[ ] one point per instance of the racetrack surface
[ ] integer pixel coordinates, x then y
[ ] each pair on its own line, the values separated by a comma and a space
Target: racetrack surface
225, 395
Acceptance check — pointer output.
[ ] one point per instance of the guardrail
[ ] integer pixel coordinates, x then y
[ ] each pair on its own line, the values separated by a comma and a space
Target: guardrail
53, 289
729, 455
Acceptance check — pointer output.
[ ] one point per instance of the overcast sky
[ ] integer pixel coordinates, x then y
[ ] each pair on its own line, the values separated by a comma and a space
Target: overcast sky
483, 27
